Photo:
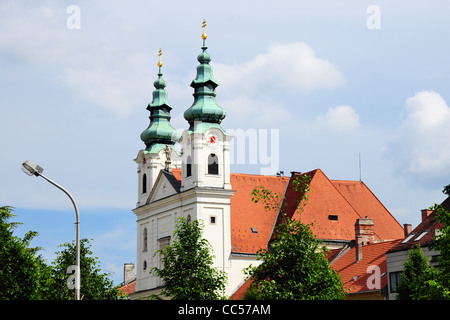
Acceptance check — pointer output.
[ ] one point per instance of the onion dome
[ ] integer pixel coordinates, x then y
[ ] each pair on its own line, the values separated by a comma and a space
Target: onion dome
160, 132
204, 108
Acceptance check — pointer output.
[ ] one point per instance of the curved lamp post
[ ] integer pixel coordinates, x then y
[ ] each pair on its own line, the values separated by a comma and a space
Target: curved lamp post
30, 169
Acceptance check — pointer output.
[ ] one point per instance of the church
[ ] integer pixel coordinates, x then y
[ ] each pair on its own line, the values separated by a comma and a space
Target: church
196, 183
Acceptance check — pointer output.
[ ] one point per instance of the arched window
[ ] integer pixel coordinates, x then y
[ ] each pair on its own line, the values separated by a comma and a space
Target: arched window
144, 236
144, 183
189, 166
213, 164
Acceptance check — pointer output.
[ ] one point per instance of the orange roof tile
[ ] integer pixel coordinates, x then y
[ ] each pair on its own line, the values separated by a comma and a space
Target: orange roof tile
177, 174
347, 201
424, 233
239, 294
245, 214
128, 288
367, 204
373, 254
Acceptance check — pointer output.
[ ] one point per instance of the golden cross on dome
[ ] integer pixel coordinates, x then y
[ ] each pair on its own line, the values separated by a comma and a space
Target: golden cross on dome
204, 33
160, 62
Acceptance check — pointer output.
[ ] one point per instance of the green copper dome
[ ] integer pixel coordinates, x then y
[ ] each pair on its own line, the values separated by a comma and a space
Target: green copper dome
204, 108
160, 132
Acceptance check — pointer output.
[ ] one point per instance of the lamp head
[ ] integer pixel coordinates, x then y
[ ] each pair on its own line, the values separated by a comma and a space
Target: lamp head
31, 168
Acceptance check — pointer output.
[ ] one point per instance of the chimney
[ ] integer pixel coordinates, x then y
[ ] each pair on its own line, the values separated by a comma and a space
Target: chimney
407, 228
364, 234
128, 272
425, 213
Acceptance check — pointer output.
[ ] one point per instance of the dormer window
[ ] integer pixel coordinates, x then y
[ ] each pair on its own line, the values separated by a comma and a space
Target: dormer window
213, 164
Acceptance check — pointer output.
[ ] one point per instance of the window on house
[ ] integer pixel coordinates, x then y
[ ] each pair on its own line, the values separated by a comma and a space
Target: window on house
394, 279
212, 220
333, 217
189, 166
421, 235
144, 183
144, 240
213, 164
163, 242
409, 237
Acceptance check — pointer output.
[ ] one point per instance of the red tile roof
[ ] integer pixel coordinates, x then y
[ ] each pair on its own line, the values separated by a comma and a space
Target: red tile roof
373, 254
239, 294
349, 200
424, 233
245, 214
128, 288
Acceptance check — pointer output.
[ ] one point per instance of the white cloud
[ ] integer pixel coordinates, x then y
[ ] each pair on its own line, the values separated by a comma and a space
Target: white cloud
253, 91
119, 85
339, 118
290, 67
421, 146
100, 71
246, 111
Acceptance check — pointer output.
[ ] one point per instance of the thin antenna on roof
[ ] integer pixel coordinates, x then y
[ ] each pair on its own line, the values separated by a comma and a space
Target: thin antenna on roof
360, 166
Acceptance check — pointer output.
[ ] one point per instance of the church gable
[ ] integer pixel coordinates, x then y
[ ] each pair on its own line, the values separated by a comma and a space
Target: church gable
332, 215
166, 185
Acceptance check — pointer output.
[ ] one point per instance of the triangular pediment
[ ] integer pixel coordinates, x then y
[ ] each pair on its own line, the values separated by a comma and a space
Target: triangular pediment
165, 185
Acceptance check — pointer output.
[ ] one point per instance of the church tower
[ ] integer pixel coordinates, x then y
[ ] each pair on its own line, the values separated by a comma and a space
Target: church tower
205, 145
201, 190
159, 139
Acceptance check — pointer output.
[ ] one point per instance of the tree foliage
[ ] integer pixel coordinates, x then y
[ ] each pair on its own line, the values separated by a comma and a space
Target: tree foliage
95, 285
24, 275
415, 275
187, 269
294, 266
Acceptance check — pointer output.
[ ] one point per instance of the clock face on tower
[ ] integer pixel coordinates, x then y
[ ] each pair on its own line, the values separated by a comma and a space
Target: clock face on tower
212, 139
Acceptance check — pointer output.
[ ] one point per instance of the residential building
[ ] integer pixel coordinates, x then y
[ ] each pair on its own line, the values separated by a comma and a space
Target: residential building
422, 235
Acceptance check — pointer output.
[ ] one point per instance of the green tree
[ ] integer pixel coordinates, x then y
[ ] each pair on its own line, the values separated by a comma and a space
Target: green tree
440, 286
294, 266
446, 190
419, 281
187, 269
95, 285
416, 273
23, 273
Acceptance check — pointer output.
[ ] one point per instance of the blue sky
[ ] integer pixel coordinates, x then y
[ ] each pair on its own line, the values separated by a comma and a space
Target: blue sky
73, 100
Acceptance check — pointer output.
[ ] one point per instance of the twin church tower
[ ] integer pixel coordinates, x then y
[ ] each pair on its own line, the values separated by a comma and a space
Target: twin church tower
194, 183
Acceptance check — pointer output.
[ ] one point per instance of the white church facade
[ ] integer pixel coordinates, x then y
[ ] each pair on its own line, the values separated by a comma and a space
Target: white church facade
204, 169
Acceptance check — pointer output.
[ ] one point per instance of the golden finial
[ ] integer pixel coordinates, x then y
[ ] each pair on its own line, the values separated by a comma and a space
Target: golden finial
204, 33
160, 62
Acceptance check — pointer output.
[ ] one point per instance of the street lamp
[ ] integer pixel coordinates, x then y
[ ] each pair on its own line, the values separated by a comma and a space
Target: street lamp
30, 169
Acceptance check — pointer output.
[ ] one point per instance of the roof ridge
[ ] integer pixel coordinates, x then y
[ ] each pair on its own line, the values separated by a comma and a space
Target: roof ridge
381, 203
342, 194
257, 175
